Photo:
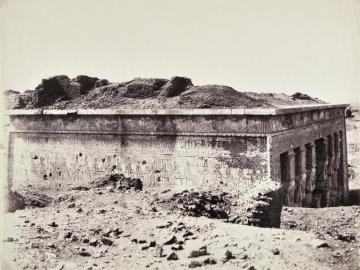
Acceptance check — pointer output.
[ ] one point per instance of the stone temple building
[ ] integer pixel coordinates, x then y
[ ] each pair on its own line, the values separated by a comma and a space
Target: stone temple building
302, 147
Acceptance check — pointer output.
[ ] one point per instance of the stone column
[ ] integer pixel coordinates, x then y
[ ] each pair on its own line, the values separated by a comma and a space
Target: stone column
302, 176
324, 185
292, 184
311, 171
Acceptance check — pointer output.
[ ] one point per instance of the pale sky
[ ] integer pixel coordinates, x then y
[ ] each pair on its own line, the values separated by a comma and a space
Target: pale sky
311, 46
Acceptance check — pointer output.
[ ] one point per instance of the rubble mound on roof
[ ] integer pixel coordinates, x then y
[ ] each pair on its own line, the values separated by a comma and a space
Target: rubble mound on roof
62, 92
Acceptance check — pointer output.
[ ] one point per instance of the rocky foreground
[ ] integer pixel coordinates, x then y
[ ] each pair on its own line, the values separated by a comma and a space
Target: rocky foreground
61, 92
106, 228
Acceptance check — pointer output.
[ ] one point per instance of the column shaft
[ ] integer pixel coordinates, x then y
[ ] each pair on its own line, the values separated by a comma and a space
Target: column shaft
292, 185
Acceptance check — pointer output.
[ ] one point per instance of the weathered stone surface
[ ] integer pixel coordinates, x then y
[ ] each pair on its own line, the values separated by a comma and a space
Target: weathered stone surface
86, 83
175, 86
143, 88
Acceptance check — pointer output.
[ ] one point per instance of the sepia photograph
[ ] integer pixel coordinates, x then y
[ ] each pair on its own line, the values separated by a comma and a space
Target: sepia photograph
163, 134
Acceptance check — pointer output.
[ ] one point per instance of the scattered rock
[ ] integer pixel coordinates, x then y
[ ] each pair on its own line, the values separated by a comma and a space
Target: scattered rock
93, 242
209, 261
106, 241
71, 205
187, 234
152, 244
171, 241
228, 255
172, 257
194, 264
53, 224
134, 240
197, 253
84, 253
275, 251
74, 238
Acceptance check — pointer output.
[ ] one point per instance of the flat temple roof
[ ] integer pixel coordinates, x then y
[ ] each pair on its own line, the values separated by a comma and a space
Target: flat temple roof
238, 111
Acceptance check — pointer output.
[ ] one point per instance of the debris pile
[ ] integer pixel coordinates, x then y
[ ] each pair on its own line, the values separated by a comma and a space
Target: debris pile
118, 181
262, 209
203, 203
19, 200
61, 92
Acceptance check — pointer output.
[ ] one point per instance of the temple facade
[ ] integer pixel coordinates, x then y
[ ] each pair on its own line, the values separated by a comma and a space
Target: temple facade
302, 148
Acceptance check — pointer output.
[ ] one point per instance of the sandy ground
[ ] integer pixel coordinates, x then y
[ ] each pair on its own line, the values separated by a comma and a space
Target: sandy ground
106, 229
